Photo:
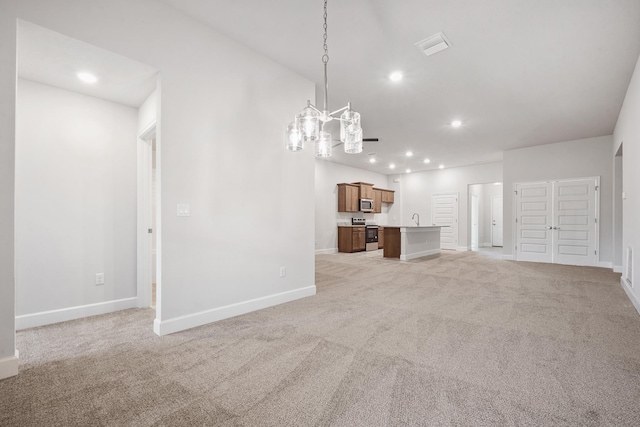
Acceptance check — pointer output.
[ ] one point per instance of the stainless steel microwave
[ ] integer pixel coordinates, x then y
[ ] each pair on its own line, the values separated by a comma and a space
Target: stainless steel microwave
366, 205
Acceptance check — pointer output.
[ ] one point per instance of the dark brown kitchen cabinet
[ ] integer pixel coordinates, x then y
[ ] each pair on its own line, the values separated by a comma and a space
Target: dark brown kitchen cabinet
351, 239
348, 198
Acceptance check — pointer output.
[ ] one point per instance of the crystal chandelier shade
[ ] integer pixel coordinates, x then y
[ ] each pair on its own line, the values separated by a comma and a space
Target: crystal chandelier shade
323, 145
293, 137
308, 122
308, 125
351, 132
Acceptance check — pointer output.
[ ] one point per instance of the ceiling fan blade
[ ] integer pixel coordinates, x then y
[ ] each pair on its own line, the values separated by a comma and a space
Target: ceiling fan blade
363, 140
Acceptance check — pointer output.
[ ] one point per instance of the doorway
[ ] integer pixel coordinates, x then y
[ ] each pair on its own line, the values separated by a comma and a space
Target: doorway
496, 222
475, 230
147, 261
485, 210
76, 155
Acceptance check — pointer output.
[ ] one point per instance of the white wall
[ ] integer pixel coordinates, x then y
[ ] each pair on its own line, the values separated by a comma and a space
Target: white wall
328, 175
627, 131
75, 199
223, 111
416, 189
571, 159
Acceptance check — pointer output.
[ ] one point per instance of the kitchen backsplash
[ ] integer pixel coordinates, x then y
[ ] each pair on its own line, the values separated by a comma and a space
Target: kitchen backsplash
344, 218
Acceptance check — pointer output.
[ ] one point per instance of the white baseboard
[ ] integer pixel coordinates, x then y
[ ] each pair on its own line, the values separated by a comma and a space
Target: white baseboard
9, 366
419, 254
486, 245
617, 269
64, 314
505, 256
189, 321
462, 248
629, 292
605, 264
327, 251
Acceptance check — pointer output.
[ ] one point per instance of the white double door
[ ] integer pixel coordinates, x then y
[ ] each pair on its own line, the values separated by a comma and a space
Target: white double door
556, 221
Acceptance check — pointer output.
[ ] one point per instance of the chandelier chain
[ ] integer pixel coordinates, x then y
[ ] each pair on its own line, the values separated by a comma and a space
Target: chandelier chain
325, 57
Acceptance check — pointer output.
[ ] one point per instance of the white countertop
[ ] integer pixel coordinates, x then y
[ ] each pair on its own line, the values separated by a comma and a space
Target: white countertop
414, 227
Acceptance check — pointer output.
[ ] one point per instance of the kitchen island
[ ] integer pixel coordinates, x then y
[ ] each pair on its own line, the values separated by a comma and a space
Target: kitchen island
409, 242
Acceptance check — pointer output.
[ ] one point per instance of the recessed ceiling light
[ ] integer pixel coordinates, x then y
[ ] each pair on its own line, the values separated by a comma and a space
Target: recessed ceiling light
372, 160
392, 166
441, 166
427, 161
456, 123
497, 183
409, 153
396, 76
87, 78
408, 171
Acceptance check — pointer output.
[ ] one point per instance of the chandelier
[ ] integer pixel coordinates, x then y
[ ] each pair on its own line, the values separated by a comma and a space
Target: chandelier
309, 124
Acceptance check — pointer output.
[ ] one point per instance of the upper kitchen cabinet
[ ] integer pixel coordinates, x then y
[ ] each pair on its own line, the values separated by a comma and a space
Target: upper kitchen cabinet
366, 190
377, 200
387, 196
348, 198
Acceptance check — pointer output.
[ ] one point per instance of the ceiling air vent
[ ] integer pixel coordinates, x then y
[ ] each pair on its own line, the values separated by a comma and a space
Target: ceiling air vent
434, 44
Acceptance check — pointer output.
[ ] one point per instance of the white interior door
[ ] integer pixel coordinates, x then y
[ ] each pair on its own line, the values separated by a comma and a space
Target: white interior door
444, 212
474, 222
496, 221
534, 222
556, 222
146, 262
574, 222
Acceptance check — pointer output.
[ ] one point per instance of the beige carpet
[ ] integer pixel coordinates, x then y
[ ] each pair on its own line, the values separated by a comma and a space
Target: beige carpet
456, 339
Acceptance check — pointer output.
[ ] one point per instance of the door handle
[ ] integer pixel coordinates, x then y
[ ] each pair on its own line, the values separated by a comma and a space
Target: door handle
556, 228
549, 228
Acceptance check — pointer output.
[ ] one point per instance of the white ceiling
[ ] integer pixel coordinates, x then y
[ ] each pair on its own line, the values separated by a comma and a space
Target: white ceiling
519, 72
54, 59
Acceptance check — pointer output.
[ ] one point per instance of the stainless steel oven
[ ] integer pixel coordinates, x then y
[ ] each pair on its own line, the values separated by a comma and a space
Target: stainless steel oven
371, 237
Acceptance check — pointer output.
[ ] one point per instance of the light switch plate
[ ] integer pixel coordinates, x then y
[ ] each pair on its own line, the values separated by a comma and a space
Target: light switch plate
184, 209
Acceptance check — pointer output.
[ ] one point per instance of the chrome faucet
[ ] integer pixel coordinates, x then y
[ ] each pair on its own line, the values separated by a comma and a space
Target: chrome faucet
418, 221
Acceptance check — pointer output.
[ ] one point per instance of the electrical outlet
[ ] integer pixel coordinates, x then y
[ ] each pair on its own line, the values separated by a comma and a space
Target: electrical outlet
283, 271
99, 278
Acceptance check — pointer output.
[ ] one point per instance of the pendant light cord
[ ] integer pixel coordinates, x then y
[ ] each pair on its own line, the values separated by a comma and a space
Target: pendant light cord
325, 60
